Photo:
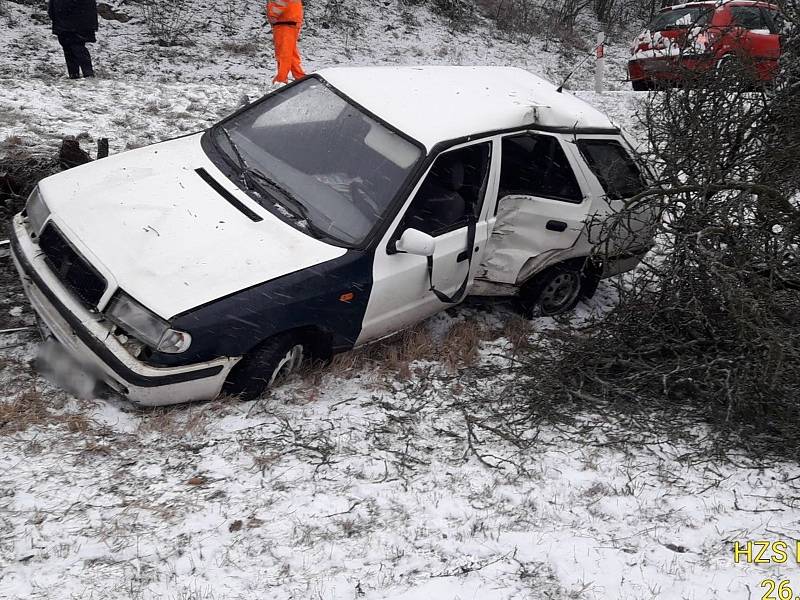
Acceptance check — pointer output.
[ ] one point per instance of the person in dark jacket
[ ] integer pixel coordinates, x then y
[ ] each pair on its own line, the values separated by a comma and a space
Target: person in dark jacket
75, 23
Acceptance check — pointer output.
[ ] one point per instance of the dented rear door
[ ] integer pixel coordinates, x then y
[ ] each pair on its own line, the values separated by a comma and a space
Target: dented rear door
543, 201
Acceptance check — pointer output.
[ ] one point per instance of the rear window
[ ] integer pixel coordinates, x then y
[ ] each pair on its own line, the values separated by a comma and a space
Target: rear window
749, 17
614, 168
681, 18
776, 21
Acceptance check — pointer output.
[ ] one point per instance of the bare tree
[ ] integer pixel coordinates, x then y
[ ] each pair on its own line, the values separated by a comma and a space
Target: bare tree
711, 321
170, 22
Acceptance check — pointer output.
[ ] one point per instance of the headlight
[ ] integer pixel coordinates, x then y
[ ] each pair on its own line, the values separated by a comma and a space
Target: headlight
36, 211
147, 327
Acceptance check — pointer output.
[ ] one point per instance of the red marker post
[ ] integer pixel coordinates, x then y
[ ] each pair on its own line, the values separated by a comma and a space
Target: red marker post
599, 62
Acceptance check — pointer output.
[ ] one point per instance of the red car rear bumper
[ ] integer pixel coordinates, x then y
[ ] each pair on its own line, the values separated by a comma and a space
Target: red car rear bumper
682, 68
668, 68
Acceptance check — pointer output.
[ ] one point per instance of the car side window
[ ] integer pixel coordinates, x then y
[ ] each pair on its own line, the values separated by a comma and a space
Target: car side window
453, 189
614, 168
748, 17
775, 20
536, 165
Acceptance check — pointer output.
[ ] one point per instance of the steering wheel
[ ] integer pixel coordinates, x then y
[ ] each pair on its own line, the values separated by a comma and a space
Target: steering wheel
359, 193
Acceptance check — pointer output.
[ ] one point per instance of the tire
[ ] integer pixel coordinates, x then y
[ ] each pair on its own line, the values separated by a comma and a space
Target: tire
727, 66
730, 70
640, 85
590, 279
271, 362
553, 291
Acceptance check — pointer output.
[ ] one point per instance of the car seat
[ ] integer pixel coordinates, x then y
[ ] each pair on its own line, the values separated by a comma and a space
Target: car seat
439, 203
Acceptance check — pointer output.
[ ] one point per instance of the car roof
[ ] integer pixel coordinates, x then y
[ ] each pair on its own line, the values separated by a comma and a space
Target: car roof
434, 104
720, 4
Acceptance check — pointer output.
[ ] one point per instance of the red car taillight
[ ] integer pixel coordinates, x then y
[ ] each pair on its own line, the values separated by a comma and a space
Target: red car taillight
641, 46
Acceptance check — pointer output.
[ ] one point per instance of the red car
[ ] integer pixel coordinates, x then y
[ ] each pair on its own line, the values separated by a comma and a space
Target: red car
691, 39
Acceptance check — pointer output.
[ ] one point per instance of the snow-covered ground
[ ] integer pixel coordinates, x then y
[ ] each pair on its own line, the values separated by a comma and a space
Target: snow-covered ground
145, 92
385, 32
372, 478
366, 483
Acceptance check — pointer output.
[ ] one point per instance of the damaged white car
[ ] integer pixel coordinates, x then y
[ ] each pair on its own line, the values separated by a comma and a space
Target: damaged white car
333, 212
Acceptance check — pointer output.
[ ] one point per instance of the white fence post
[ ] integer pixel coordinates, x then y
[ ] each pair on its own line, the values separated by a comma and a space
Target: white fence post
600, 62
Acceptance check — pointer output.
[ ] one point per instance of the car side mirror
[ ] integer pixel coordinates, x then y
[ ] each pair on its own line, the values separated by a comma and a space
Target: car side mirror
413, 241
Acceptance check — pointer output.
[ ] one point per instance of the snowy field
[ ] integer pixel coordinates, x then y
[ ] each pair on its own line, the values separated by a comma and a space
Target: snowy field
389, 474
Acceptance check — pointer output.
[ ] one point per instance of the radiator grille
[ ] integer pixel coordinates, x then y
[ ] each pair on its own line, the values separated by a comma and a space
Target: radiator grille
71, 268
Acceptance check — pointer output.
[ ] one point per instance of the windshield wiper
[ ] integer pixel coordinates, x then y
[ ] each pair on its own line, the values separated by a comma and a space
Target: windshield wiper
291, 202
244, 170
249, 175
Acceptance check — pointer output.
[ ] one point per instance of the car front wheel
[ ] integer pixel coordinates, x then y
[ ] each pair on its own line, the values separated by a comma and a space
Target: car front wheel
270, 363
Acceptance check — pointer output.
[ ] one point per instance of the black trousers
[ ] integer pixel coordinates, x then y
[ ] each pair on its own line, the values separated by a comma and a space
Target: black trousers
76, 54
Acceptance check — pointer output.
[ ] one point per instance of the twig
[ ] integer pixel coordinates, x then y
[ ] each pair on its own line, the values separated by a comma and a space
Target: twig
13, 345
471, 567
344, 512
752, 510
16, 330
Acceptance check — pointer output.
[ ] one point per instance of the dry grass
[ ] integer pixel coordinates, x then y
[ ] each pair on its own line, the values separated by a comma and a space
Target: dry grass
460, 347
392, 357
265, 462
398, 352
31, 408
175, 422
517, 331
152, 106
240, 48
23, 411
13, 141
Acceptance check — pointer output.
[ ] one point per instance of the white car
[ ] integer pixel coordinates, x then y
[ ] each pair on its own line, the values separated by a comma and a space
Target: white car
333, 212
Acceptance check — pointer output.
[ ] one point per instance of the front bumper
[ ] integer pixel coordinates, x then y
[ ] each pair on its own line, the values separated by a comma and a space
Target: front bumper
88, 337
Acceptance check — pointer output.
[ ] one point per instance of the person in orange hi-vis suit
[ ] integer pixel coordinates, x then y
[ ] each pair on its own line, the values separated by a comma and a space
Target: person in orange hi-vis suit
286, 18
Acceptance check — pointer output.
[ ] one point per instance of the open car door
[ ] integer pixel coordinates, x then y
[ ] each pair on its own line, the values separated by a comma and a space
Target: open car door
447, 207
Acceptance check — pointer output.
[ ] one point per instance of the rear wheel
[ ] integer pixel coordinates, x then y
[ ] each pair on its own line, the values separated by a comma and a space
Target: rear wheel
270, 363
727, 66
732, 72
553, 291
640, 85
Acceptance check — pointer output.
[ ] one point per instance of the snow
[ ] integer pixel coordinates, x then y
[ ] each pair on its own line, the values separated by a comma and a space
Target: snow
169, 91
437, 104
346, 488
357, 482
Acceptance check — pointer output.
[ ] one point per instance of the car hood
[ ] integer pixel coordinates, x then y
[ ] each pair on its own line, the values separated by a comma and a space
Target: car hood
156, 229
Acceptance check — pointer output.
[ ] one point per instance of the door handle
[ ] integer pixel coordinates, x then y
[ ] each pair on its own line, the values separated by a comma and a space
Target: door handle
465, 255
553, 225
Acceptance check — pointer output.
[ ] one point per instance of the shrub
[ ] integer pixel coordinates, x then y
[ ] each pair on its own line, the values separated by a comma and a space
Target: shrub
524, 17
711, 324
345, 17
169, 21
459, 13
230, 15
